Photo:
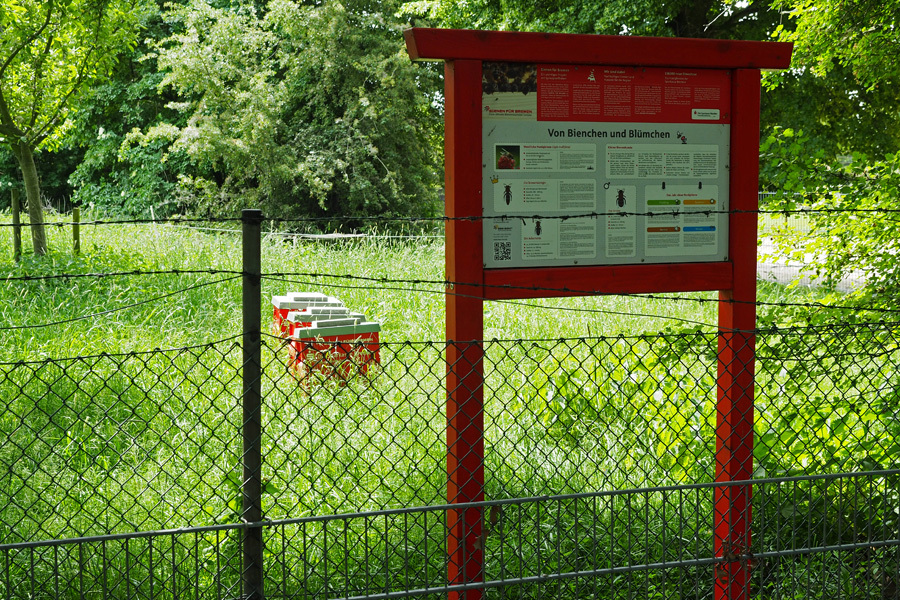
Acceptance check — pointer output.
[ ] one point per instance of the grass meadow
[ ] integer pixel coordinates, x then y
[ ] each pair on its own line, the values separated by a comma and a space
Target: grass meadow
121, 414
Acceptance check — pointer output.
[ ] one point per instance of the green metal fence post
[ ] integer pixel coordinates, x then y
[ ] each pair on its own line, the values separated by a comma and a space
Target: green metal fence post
251, 488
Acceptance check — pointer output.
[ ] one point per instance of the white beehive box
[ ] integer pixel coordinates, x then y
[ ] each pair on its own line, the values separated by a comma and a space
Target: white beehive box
325, 337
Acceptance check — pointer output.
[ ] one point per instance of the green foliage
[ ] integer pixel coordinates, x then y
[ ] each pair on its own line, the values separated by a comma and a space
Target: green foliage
861, 35
670, 409
847, 418
300, 109
819, 406
684, 18
843, 88
50, 54
231, 498
116, 176
56, 168
852, 219
138, 180
839, 115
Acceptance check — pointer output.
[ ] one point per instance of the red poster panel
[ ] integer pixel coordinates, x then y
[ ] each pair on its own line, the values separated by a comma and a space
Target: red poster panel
606, 94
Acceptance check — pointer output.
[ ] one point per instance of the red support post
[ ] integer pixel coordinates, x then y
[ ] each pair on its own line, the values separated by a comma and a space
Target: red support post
736, 344
465, 324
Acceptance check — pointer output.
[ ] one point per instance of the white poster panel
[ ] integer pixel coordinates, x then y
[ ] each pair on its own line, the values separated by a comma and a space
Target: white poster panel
628, 168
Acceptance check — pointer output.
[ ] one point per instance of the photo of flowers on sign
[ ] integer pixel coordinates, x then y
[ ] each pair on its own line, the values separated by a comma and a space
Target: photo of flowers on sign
508, 157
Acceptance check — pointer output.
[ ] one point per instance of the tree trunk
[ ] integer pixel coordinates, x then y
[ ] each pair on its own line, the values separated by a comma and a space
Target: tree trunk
25, 156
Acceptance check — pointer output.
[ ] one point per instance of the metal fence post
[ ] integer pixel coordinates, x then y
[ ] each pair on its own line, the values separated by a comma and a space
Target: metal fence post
17, 225
76, 230
251, 487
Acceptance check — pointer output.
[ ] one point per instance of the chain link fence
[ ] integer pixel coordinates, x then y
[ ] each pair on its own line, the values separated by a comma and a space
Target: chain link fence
123, 473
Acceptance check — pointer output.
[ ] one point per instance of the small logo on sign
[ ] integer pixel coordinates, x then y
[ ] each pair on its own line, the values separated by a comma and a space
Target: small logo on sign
705, 114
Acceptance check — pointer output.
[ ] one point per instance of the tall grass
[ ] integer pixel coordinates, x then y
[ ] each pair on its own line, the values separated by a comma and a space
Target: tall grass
408, 311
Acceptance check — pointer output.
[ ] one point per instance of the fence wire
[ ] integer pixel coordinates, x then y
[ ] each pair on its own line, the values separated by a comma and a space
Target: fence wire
122, 473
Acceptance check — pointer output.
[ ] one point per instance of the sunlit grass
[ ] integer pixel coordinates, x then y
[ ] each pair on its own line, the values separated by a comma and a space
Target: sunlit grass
396, 282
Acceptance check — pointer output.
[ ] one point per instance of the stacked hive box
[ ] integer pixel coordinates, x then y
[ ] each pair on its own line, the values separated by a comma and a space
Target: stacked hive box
325, 338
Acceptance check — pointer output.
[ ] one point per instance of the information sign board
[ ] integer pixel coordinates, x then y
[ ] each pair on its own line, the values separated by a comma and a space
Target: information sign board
601, 165
567, 175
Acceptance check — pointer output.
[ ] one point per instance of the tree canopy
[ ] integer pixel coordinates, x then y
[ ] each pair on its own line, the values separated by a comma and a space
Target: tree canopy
51, 52
749, 19
862, 36
843, 91
118, 178
305, 110
313, 108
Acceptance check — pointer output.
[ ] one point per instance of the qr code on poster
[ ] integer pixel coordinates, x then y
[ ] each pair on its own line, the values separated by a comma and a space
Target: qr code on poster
502, 251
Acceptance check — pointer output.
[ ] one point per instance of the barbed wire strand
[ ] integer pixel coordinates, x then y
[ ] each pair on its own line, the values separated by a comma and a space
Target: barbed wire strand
156, 221
527, 304
790, 331
569, 291
644, 337
444, 283
587, 215
564, 308
444, 219
327, 237
129, 354
119, 274
120, 308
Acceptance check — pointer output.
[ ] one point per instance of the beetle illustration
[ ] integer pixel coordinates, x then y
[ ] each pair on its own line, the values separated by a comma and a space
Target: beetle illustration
537, 228
507, 194
620, 199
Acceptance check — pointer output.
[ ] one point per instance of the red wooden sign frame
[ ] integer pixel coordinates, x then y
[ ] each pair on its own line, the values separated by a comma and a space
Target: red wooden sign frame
463, 52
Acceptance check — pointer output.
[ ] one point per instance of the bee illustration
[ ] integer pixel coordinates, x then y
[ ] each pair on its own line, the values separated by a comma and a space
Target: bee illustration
620, 199
537, 228
507, 194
